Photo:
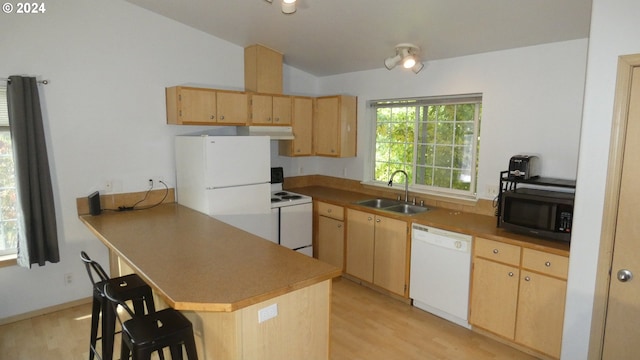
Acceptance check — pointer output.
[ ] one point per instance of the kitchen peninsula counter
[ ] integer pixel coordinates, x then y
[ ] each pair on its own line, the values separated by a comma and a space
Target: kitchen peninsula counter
220, 277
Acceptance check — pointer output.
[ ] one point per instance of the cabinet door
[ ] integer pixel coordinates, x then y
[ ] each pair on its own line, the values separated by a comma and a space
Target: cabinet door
197, 106
325, 135
261, 109
541, 312
360, 233
232, 107
302, 124
281, 110
494, 297
390, 259
331, 241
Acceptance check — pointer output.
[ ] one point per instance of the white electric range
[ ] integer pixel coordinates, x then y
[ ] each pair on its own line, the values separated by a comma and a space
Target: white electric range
292, 216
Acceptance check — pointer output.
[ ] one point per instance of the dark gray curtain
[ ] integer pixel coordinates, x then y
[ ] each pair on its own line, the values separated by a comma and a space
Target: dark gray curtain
38, 235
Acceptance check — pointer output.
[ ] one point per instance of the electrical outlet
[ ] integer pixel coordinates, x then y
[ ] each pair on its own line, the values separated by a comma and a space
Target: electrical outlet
267, 313
68, 278
492, 190
108, 186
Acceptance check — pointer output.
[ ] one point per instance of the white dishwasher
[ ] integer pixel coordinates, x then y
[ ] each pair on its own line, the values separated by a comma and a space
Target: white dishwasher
440, 272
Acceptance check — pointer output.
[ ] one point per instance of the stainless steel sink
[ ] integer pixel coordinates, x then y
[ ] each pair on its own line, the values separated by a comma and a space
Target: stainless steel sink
407, 209
396, 206
378, 203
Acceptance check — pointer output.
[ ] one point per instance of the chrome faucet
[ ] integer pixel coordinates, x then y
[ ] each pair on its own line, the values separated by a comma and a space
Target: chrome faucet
406, 183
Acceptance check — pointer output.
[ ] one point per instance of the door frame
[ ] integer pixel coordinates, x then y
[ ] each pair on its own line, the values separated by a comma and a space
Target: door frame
626, 64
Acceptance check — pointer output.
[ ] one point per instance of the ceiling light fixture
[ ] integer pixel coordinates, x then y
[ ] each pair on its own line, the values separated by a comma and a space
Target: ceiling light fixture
287, 6
407, 55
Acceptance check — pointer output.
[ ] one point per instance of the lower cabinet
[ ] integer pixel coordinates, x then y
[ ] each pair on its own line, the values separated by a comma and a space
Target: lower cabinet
519, 294
495, 297
330, 234
377, 250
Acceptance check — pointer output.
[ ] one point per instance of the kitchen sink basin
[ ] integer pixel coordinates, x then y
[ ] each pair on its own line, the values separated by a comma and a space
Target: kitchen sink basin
407, 209
378, 203
396, 206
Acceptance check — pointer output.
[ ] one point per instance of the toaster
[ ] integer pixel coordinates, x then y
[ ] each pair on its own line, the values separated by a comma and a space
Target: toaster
524, 167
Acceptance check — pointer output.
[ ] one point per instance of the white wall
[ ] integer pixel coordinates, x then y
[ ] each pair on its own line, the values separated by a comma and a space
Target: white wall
532, 102
108, 63
614, 32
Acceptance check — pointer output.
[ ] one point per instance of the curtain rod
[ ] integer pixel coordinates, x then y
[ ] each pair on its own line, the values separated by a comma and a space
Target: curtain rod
45, 82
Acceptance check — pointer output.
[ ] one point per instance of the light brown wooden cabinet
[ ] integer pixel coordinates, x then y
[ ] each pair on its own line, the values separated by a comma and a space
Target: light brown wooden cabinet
200, 106
270, 109
377, 250
334, 131
330, 234
519, 294
262, 70
302, 124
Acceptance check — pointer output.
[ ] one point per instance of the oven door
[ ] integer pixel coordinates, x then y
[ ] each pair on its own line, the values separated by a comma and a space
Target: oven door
296, 223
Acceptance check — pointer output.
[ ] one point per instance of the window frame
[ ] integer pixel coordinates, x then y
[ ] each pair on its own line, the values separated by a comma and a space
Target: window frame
418, 102
4, 126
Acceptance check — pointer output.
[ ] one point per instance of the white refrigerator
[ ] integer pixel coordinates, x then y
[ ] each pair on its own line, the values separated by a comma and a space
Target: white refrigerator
226, 177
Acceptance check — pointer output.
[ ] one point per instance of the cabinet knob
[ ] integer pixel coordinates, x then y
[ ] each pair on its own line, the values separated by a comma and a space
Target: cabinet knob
547, 264
369, 218
277, 119
329, 211
378, 220
510, 273
339, 226
526, 278
495, 251
212, 117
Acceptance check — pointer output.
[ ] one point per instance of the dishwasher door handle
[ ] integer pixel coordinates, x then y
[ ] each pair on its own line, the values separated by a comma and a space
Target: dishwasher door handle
457, 243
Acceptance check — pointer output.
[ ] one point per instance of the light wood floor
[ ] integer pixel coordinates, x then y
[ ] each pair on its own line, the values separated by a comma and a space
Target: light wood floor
364, 325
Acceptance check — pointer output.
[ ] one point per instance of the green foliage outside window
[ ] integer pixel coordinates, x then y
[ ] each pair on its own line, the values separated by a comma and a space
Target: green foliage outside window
8, 215
435, 144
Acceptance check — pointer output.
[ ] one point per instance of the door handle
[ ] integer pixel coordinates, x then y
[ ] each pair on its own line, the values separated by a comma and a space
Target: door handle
625, 275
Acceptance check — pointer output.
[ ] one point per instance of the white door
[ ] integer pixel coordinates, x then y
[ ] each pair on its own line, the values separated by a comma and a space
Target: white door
237, 160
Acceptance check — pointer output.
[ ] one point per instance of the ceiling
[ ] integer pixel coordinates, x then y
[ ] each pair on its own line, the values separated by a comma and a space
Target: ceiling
327, 37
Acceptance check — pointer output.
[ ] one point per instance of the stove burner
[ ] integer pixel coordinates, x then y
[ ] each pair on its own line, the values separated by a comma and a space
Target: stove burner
281, 193
273, 200
291, 197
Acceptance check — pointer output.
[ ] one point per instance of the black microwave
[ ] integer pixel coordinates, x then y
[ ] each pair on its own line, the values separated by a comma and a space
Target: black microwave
535, 212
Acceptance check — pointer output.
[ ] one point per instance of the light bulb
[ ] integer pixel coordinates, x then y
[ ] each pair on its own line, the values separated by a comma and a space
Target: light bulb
409, 61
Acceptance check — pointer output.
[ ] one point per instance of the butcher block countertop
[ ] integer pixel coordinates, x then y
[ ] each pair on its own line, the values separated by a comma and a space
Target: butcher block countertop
195, 262
452, 220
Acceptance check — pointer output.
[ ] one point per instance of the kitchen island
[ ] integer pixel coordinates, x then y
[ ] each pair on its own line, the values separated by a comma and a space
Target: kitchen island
225, 280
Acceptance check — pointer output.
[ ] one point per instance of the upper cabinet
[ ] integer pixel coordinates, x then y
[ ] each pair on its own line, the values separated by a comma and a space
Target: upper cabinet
262, 70
302, 124
200, 106
334, 130
270, 109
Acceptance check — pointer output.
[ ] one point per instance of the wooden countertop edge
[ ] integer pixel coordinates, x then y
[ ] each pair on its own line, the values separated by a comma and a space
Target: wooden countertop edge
497, 234
188, 306
212, 307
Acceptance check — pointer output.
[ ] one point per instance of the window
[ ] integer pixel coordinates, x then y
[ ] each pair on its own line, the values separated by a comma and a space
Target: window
8, 195
435, 140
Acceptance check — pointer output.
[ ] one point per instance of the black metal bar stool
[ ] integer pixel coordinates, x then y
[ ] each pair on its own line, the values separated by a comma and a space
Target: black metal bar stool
144, 334
128, 287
